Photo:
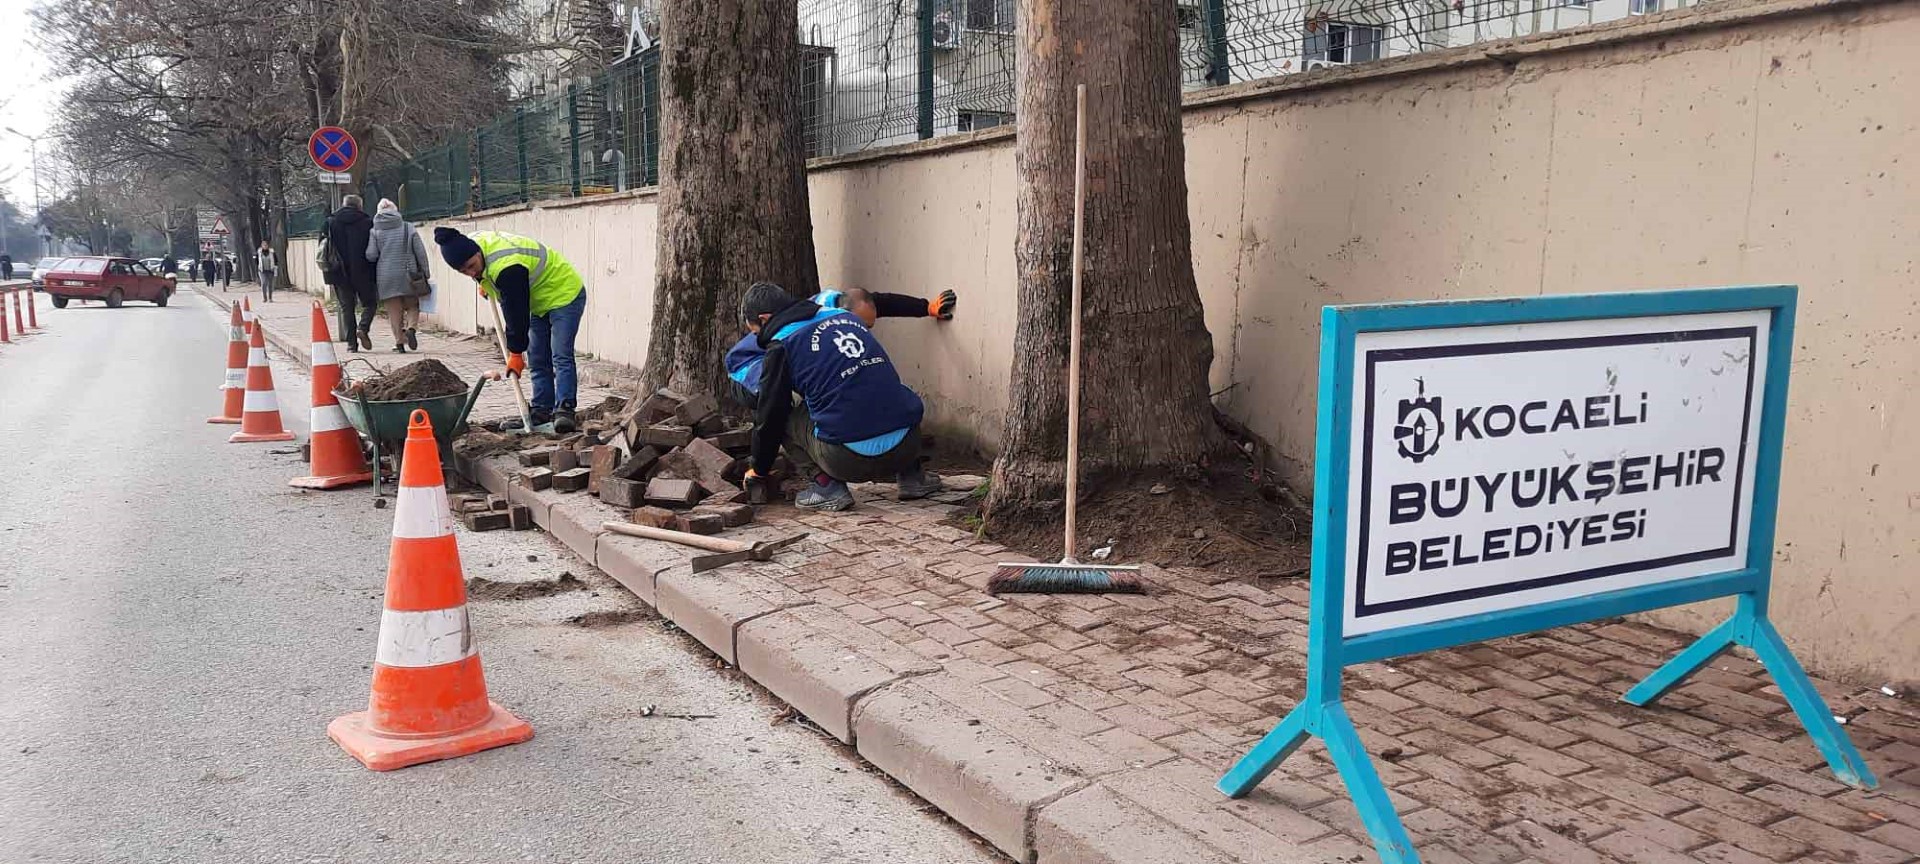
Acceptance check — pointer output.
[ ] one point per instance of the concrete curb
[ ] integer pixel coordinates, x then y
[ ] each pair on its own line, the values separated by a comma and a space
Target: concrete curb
863, 691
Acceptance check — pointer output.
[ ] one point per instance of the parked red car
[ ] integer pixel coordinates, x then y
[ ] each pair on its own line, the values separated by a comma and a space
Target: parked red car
114, 280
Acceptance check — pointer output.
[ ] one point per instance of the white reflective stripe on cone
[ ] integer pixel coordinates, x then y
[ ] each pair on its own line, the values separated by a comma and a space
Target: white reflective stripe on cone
256, 356
414, 639
323, 354
328, 418
260, 402
420, 512
236, 380
237, 334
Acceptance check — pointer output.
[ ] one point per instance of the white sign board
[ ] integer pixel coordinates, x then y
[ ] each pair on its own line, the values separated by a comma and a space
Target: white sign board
1505, 466
338, 178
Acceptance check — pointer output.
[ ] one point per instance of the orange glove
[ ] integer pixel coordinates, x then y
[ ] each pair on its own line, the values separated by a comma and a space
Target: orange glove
516, 364
941, 307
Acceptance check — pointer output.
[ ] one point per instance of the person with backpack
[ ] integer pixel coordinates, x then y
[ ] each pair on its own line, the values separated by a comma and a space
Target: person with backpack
344, 265
400, 273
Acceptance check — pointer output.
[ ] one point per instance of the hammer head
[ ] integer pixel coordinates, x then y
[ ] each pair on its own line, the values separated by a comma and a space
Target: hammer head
761, 551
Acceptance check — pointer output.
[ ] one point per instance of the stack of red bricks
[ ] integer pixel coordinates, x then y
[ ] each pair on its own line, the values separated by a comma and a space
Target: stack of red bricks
669, 461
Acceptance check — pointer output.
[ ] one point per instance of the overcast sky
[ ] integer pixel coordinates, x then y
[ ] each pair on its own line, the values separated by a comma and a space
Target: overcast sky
27, 100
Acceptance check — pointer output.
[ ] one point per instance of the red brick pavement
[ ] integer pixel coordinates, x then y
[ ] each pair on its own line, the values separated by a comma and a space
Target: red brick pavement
1091, 728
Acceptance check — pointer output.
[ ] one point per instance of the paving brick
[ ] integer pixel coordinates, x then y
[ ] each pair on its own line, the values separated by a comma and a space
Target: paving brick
1786, 776
621, 492
1473, 781
1627, 817
668, 492
535, 478
709, 607
666, 435
1249, 829
1134, 749
1818, 809
1897, 835
1459, 751
570, 480
1842, 845
1643, 771
699, 522
1086, 696
1436, 832
1745, 835
1018, 692
1476, 810
1072, 751
1726, 853
980, 777
1533, 755
1097, 825
812, 669
530, 498
1448, 724
1133, 718
1161, 680
1530, 779
1626, 846
1072, 718
1622, 788
1679, 740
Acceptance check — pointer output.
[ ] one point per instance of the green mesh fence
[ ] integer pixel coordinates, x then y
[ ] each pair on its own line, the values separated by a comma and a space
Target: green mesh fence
882, 72
307, 220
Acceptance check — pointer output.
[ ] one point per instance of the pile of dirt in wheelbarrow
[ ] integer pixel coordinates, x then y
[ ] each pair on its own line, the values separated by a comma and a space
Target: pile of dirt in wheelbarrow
425, 379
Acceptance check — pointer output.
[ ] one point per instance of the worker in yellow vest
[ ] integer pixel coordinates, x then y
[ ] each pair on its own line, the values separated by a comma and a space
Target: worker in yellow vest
542, 299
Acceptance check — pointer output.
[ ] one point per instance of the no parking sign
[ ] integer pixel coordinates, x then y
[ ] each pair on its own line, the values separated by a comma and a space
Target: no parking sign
332, 148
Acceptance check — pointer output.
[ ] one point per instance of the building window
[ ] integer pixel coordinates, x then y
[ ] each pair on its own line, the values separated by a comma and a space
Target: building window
1642, 7
1340, 42
995, 15
972, 121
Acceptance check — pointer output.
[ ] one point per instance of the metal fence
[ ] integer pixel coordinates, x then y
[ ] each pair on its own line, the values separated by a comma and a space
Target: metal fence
882, 72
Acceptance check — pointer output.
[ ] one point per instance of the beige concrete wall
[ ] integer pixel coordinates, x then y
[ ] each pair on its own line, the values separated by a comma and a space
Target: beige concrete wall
1734, 144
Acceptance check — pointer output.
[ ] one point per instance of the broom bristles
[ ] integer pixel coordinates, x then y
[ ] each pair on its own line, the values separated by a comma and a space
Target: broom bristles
1039, 578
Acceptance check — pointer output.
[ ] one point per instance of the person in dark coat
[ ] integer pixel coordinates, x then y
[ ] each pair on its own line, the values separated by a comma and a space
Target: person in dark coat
226, 272
348, 231
6, 266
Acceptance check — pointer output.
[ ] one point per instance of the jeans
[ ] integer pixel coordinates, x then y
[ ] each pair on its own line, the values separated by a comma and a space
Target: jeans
266, 284
550, 356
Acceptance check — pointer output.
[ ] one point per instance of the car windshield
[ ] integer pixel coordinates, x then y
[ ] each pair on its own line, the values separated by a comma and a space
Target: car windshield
47, 263
94, 266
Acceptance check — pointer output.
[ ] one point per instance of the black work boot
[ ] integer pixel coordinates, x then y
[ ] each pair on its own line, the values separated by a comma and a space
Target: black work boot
564, 420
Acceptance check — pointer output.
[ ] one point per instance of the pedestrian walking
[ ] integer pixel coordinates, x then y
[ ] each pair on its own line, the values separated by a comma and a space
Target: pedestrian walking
344, 265
400, 272
207, 271
542, 299
264, 260
226, 271
6, 266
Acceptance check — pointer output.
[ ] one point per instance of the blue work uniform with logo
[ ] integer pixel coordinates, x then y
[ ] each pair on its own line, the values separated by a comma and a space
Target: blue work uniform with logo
851, 389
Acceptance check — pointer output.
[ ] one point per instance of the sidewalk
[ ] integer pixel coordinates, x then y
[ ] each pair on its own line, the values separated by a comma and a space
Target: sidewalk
289, 328
1087, 728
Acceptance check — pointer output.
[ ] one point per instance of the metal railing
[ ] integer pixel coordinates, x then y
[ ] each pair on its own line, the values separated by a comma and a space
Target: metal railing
882, 72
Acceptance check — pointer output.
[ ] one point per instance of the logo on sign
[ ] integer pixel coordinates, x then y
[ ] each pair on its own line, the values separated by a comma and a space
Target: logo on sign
1418, 432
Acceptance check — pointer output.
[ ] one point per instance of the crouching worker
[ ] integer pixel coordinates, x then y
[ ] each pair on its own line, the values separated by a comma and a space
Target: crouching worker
855, 421
744, 358
541, 300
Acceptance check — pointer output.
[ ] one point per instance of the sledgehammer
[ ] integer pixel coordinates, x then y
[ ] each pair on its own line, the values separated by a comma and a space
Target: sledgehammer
726, 551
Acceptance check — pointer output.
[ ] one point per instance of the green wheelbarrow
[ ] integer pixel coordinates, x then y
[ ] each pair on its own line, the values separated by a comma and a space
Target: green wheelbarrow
384, 424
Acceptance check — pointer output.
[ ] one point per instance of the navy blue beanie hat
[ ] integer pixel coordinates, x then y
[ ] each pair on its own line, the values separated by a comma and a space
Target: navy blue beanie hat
455, 247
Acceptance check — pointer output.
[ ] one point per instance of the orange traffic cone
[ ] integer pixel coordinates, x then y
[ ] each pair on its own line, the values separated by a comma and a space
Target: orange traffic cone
33, 314
429, 697
260, 410
19, 321
336, 459
235, 384
246, 311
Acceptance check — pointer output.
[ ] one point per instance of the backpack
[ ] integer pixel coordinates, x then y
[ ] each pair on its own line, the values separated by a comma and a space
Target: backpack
328, 258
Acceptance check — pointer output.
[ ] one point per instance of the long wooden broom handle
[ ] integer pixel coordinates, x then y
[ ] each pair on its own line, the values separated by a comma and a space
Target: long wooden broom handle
519, 391
1073, 339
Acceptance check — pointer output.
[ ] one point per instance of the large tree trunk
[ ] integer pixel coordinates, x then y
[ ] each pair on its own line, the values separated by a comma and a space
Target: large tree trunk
1145, 347
733, 185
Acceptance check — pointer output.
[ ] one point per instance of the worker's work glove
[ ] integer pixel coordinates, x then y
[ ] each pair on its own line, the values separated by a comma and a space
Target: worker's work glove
516, 364
758, 489
941, 307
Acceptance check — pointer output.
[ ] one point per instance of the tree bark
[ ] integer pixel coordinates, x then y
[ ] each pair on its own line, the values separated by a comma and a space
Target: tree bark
733, 184
1145, 347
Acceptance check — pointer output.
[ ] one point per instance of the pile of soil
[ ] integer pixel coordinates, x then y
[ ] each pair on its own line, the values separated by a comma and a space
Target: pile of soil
1224, 522
425, 379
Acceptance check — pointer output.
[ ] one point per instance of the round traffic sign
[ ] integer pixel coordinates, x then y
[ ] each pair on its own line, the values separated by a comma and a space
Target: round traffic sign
332, 148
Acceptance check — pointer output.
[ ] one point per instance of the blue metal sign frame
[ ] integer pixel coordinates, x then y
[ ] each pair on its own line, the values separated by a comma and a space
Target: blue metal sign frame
1329, 650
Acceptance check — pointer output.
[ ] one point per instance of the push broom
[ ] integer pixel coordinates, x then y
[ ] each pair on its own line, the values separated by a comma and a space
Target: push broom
1070, 575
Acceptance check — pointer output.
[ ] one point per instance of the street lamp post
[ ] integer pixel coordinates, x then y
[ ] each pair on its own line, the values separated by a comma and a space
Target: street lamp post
39, 215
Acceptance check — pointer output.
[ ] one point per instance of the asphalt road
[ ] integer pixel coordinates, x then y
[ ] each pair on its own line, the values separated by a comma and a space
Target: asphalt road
177, 627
